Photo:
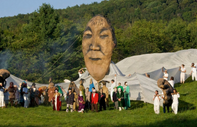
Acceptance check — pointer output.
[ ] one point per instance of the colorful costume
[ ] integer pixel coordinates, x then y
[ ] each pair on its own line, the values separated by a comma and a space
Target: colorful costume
81, 105
56, 101
126, 97
94, 101
120, 96
121, 88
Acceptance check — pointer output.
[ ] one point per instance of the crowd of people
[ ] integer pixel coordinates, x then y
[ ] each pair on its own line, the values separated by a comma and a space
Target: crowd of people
23, 95
91, 99
82, 99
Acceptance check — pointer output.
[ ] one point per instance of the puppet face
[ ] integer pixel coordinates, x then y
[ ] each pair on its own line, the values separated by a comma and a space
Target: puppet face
97, 46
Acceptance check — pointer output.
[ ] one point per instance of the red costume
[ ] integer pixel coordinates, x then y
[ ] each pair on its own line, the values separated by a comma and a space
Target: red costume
94, 101
57, 102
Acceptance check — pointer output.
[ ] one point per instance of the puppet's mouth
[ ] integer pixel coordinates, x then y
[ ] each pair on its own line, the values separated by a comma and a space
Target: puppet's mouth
94, 59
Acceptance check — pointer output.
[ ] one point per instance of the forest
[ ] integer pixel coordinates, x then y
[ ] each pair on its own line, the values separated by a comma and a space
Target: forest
47, 42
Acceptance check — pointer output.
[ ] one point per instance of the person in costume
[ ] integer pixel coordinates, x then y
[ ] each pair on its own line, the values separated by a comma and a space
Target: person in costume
105, 91
75, 103
171, 81
156, 100
34, 100
91, 85
165, 74
112, 87
175, 101
17, 97
120, 96
81, 101
2, 90
193, 72
88, 102
94, 100
25, 95
80, 72
182, 75
11, 91
56, 101
115, 98
70, 100
119, 86
102, 97
51, 91
126, 96
81, 97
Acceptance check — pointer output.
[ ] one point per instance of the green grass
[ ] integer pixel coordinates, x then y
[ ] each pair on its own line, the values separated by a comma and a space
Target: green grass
140, 114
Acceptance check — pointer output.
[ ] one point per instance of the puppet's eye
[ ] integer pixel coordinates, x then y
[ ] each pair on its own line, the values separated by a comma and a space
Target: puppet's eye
103, 36
88, 36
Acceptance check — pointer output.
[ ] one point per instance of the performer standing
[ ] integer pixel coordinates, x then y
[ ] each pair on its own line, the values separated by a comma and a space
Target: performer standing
94, 100
69, 100
175, 102
120, 96
113, 85
102, 97
2, 90
115, 99
165, 74
156, 100
11, 91
182, 75
126, 96
56, 101
193, 72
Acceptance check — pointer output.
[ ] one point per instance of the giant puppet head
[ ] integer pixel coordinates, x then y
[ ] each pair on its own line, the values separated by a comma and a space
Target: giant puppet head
97, 45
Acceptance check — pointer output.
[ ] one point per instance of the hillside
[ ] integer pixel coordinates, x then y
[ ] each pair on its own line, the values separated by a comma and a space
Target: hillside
47, 42
140, 114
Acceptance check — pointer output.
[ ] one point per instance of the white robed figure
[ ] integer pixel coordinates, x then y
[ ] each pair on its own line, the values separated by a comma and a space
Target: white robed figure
156, 100
175, 102
2, 103
112, 87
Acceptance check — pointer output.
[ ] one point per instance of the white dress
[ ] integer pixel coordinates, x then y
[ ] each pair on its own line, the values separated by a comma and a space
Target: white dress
55, 102
156, 105
2, 103
193, 73
182, 75
175, 103
112, 88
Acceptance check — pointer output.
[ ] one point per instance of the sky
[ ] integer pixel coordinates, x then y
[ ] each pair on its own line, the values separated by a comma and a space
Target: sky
15, 7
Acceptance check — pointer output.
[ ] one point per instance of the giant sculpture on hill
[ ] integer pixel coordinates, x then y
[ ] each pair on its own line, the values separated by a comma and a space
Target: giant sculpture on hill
97, 46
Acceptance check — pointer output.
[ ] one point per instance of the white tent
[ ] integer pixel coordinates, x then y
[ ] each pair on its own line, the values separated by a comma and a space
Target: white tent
142, 88
150, 62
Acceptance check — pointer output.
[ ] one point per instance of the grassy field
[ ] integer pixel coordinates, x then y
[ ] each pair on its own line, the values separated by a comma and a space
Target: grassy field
140, 114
